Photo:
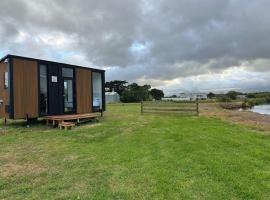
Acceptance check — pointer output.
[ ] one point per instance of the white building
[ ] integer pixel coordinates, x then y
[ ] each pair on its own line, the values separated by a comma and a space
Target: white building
187, 97
112, 97
241, 96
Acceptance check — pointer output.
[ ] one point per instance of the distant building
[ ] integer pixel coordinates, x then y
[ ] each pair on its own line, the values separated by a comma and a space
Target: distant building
187, 97
112, 97
202, 96
193, 96
241, 96
174, 99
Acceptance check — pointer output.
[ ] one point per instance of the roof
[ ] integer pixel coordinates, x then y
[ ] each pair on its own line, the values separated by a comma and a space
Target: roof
111, 93
48, 61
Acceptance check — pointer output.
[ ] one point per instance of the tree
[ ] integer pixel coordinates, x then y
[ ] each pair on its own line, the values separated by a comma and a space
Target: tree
156, 94
232, 94
251, 95
135, 93
211, 95
116, 85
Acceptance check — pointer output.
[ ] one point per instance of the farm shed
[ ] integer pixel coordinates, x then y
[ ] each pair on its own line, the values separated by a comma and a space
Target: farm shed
112, 97
32, 88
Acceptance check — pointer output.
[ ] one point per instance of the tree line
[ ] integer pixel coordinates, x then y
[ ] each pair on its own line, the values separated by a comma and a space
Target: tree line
134, 92
252, 98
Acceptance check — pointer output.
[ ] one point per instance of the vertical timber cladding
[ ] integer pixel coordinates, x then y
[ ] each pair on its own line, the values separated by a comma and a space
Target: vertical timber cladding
25, 88
3, 91
83, 90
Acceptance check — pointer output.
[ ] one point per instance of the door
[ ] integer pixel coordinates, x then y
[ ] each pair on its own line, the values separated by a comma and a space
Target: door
68, 95
61, 93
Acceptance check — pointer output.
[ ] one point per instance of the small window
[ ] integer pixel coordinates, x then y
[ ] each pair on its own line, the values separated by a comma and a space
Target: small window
6, 80
67, 72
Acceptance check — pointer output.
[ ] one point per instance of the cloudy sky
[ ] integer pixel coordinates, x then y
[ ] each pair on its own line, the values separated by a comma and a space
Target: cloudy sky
174, 45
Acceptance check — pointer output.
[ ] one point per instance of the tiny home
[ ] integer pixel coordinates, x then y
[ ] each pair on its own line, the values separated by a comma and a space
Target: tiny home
32, 88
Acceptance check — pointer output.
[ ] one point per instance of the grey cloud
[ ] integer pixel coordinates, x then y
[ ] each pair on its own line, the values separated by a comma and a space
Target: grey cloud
182, 38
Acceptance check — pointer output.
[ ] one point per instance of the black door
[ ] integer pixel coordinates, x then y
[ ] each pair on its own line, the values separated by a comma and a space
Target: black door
54, 90
61, 93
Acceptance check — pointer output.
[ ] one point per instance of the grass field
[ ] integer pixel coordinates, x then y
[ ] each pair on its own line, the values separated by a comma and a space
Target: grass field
129, 156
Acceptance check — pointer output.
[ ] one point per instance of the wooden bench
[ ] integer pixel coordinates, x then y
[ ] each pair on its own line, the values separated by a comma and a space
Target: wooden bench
66, 125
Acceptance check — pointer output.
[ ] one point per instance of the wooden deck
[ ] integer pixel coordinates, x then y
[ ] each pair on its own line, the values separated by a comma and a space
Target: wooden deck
56, 119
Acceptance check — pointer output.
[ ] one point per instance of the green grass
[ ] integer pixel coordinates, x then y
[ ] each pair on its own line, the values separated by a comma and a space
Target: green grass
129, 156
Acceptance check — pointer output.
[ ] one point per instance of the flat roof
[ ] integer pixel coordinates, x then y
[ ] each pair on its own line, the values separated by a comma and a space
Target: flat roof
48, 61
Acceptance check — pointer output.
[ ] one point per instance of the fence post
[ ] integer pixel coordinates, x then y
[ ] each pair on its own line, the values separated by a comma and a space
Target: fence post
141, 107
197, 106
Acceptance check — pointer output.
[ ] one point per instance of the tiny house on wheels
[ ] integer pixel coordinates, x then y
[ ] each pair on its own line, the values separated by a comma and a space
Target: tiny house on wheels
32, 88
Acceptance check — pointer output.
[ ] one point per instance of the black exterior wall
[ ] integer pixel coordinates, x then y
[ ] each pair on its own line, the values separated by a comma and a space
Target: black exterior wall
11, 94
103, 92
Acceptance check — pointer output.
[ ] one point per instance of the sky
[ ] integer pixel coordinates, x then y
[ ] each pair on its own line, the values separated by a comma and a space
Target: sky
174, 45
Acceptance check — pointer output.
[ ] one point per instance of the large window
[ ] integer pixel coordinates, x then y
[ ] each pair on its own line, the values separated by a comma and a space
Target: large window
6, 81
97, 91
67, 74
68, 96
43, 94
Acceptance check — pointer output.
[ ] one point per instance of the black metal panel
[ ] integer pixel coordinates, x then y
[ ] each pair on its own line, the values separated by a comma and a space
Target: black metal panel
74, 90
103, 92
38, 70
11, 94
54, 91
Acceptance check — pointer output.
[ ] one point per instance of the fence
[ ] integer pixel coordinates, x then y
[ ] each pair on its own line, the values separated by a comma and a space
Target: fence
164, 107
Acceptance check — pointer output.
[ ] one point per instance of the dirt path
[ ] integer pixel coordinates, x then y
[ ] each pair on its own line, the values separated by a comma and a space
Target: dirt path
261, 122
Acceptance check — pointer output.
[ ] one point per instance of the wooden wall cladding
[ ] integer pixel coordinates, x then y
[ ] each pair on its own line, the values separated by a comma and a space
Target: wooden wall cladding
25, 88
84, 90
3, 91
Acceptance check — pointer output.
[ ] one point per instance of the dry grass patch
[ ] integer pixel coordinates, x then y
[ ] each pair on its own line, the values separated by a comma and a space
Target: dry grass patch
15, 169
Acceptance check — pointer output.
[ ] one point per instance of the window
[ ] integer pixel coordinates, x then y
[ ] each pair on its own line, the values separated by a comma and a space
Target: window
6, 80
67, 72
68, 96
43, 94
68, 93
97, 91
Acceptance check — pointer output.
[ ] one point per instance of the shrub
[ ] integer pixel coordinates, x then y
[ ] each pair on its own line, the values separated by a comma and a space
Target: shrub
257, 101
224, 99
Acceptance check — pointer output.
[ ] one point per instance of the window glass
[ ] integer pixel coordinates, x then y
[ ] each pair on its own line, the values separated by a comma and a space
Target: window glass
67, 72
68, 95
43, 96
97, 91
6, 80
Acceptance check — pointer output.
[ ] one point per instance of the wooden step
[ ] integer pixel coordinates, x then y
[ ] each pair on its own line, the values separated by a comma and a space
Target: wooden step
66, 125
